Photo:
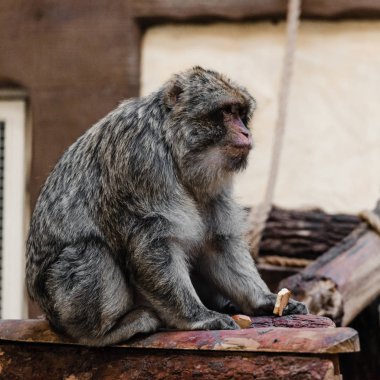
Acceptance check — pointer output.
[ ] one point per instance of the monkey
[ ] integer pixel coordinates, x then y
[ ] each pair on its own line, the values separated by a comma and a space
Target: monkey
136, 228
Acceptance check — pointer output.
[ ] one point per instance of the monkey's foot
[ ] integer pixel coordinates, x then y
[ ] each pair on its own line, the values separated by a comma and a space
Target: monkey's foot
216, 321
268, 301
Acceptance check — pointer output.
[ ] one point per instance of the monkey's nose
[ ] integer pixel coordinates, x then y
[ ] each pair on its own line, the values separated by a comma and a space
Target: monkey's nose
242, 140
244, 133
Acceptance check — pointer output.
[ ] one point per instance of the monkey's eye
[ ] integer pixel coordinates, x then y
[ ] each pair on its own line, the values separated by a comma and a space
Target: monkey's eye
244, 116
227, 109
231, 109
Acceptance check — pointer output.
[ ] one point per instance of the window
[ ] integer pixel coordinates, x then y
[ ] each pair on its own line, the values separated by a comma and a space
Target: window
12, 207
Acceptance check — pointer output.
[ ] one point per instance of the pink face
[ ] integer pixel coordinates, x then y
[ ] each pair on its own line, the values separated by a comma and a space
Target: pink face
232, 151
240, 136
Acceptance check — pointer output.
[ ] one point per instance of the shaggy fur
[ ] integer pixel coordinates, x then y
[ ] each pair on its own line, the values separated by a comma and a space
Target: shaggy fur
136, 223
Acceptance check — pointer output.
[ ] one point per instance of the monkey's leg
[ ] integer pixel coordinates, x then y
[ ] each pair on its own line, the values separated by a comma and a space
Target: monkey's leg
91, 300
232, 270
211, 296
139, 320
164, 280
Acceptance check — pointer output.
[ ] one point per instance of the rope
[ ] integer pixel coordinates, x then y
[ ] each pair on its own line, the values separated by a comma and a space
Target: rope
372, 219
259, 215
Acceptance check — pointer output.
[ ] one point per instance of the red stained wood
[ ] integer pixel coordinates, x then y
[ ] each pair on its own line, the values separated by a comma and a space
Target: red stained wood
35, 362
241, 354
271, 339
263, 339
293, 321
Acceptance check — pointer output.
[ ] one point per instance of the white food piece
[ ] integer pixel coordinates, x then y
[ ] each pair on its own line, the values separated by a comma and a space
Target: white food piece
282, 300
243, 321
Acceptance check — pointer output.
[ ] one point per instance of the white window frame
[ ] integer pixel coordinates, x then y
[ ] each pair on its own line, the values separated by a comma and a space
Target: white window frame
13, 295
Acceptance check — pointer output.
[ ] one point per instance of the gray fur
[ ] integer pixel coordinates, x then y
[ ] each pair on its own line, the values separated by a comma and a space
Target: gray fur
138, 213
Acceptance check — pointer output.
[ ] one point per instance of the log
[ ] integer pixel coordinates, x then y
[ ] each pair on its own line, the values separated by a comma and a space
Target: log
303, 234
31, 362
344, 280
308, 339
291, 321
278, 348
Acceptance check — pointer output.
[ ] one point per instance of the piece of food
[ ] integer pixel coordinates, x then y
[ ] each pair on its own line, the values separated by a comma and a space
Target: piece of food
281, 301
243, 321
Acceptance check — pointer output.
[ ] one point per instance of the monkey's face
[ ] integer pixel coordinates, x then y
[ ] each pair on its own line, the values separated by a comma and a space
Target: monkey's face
235, 142
217, 124
208, 117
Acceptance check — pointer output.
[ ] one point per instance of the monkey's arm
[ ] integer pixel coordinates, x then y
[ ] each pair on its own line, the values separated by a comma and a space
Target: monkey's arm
228, 264
161, 274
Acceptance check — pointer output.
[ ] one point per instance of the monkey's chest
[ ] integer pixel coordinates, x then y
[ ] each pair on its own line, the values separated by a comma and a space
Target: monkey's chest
194, 227
188, 228
191, 234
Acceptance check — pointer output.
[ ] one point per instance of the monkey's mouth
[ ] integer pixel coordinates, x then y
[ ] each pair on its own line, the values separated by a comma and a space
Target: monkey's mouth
243, 142
239, 147
240, 150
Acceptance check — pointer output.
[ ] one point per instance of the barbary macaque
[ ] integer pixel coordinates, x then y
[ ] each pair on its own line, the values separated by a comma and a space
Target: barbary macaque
136, 229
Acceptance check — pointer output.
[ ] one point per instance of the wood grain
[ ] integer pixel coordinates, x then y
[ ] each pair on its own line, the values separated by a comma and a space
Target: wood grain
263, 339
343, 281
36, 362
303, 234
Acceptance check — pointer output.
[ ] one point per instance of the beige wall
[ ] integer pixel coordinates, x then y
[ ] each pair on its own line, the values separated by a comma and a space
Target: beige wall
331, 156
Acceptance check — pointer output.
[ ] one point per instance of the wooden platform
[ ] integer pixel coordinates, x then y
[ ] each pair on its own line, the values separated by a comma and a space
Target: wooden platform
292, 347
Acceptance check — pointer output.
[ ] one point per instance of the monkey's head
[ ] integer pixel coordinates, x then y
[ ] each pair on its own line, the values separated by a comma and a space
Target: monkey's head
207, 124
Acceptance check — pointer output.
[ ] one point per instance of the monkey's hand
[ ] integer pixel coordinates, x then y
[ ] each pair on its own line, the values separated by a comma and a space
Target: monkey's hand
295, 307
267, 302
213, 320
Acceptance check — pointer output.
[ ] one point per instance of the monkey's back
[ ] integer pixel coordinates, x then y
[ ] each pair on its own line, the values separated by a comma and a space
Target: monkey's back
65, 210
110, 173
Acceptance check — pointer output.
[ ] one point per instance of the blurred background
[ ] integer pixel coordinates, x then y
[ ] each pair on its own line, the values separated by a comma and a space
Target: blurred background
65, 64
331, 155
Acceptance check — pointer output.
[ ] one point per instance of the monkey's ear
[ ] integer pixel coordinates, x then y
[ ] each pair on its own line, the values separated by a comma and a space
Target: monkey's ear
172, 93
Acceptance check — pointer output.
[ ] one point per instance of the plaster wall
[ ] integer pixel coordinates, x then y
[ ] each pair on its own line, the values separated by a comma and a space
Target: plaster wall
331, 155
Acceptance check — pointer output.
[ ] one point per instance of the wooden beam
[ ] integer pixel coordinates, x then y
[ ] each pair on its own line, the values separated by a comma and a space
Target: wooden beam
260, 339
158, 11
283, 347
173, 10
31, 361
